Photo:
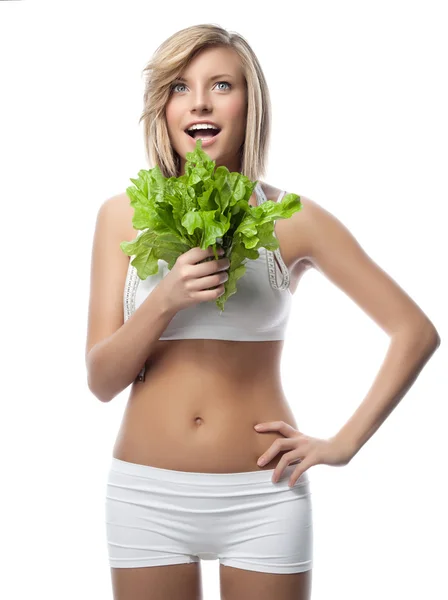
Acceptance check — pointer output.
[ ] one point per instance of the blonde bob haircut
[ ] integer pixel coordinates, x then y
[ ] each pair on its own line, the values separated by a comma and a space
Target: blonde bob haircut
168, 63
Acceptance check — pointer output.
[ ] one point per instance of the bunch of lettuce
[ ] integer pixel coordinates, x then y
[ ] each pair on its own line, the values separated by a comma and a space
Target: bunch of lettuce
204, 207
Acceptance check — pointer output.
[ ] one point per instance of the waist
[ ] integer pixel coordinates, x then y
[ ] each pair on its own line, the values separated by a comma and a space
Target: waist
218, 396
201, 431
198, 405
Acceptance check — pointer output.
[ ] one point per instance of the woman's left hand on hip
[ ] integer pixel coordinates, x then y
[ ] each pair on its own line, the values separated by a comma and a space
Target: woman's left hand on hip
307, 450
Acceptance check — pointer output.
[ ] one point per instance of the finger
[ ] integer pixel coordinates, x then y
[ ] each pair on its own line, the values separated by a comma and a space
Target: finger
279, 445
284, 428
305, 464
197, 254
285, 461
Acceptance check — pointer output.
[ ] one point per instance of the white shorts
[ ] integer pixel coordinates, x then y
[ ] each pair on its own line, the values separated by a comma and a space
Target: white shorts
165, 517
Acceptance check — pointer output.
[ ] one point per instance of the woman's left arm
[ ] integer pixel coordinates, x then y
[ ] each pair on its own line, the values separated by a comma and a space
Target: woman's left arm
335, 252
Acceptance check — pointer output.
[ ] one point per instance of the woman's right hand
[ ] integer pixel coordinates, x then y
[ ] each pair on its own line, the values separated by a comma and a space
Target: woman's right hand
189, 281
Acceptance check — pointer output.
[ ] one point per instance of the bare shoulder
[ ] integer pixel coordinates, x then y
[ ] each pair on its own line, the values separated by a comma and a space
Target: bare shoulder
319, 232
304, 231
120, 206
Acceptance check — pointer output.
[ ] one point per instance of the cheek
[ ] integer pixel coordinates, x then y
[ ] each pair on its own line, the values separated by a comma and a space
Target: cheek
236, 108
172, 115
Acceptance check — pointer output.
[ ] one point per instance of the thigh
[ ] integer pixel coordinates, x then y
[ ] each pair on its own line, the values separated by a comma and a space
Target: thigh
271, 529
253, 585
176, 582
269, 543
148, 536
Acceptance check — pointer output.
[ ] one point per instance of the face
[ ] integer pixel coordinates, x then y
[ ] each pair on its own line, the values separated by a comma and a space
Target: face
202, 96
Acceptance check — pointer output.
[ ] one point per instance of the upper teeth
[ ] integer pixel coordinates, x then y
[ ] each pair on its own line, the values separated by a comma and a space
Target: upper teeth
201, 126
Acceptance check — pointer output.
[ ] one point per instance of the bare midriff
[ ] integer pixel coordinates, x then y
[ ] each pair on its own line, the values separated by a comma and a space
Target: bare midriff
198, 405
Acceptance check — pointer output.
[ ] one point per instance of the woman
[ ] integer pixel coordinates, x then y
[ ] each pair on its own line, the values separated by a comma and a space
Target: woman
185, 481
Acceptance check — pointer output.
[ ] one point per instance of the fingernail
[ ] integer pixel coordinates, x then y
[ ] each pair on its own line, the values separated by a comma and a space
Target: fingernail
261, 461
257, 426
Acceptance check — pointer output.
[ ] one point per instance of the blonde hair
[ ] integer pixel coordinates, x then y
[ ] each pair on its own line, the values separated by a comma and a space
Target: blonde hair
168, 62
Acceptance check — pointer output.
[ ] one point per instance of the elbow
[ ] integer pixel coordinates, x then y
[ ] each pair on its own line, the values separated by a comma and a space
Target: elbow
437, 341
432, 339
433, 336
96, 392
423, 336
92, 381
99, 389
437, 338
102, 385
428, 334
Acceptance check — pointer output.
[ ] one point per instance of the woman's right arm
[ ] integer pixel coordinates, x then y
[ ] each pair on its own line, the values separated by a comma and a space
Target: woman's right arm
114, 363
115, 350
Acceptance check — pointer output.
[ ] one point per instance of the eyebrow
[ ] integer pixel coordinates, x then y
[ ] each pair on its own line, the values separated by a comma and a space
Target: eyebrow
211, 78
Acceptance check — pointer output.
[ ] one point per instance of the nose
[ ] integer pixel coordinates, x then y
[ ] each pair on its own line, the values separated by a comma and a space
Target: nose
200, 101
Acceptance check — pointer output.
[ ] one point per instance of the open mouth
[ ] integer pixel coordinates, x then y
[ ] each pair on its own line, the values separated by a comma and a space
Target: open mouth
205, 134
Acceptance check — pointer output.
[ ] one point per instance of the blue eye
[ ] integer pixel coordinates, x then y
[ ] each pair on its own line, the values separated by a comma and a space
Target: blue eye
174, 85
229, 84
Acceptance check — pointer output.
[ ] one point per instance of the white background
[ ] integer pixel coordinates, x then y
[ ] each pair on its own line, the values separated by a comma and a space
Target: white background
360, 126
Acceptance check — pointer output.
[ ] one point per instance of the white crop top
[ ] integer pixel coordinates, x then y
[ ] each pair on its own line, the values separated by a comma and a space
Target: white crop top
258, 311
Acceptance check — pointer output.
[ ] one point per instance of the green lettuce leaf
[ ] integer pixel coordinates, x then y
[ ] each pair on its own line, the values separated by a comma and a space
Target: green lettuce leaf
206, 206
